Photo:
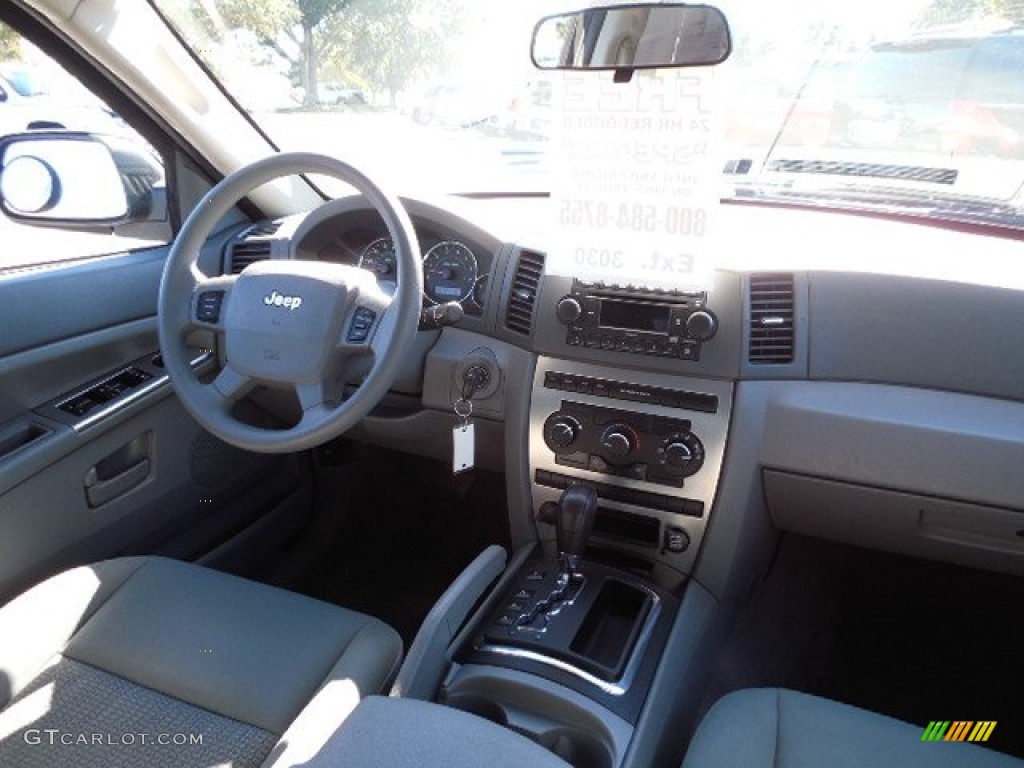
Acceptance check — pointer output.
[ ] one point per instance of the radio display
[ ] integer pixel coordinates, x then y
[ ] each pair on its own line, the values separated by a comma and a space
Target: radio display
633, 316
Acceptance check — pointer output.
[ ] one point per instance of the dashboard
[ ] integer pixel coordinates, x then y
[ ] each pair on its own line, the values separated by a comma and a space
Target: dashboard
816, 385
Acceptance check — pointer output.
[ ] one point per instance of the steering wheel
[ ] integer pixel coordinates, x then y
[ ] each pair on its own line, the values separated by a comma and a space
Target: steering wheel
286, 323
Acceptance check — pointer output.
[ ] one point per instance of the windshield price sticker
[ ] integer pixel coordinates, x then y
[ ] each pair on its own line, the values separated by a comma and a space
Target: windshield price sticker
635, 188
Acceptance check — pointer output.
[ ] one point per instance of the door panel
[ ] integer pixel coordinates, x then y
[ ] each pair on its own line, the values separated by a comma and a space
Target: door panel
135, 473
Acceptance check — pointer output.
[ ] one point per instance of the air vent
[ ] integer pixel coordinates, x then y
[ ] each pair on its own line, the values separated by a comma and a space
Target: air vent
248, 251
523, 296
771, 319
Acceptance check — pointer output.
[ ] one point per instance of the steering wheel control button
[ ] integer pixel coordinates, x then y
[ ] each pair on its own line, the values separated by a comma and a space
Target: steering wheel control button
208, 306
362, 321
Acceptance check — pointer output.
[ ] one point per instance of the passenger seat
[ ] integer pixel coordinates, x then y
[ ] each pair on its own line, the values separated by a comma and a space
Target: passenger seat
777, 728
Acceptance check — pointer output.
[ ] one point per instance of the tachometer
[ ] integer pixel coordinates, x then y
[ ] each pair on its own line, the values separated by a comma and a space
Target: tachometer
449, 272
379, 258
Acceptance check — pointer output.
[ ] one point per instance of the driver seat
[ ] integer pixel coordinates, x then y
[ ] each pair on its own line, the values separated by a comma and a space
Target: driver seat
150, 661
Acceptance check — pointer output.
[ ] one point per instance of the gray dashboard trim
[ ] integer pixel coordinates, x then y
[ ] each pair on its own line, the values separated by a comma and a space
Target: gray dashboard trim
917, 332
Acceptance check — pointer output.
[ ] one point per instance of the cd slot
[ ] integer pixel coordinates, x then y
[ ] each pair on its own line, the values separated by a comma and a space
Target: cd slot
660, 501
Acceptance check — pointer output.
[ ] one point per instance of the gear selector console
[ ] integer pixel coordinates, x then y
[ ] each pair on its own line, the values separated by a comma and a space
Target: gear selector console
577, 618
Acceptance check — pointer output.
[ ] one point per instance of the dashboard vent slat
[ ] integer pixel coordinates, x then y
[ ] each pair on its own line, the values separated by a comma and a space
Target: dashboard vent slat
771, 319
250, 246
248, 252
523, 296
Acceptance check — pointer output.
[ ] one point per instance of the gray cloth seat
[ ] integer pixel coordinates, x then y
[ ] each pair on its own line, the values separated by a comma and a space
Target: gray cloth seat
147, 661
776, 728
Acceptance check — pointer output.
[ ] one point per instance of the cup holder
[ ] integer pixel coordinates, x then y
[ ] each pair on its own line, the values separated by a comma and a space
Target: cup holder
481, 707
576, 747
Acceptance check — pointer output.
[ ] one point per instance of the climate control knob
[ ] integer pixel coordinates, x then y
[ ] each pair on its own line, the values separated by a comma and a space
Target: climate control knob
682, 454
678, 454
618, 441
561, 431
568, 310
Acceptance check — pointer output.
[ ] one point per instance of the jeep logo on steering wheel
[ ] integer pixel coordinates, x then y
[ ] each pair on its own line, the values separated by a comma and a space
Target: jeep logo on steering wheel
275, 299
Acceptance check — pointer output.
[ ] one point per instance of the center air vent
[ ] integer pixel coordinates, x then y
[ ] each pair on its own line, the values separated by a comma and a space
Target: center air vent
771, 319
523, 296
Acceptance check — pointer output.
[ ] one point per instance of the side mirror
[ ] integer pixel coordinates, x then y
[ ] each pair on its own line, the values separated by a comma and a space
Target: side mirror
629, 37
75, 180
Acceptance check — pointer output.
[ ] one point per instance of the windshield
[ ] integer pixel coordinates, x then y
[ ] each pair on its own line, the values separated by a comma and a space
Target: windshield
899, 104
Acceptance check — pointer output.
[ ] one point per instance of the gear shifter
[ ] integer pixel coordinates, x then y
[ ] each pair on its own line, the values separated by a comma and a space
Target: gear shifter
577, 508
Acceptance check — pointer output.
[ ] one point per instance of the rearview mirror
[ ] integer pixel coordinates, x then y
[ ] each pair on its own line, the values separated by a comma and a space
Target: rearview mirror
628, 37
72, 179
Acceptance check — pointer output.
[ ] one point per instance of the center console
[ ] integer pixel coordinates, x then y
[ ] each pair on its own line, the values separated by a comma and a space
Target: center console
629, 411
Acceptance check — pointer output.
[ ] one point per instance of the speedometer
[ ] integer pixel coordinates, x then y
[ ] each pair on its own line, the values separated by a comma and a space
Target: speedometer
379, 257
449, 272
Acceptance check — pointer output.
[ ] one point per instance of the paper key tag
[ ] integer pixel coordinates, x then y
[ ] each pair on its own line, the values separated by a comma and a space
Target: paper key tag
463, 446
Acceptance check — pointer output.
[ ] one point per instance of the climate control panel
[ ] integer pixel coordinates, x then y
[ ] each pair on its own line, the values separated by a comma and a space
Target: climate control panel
651, 445
614, 441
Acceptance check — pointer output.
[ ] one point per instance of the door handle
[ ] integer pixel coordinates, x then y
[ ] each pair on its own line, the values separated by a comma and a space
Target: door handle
99, 492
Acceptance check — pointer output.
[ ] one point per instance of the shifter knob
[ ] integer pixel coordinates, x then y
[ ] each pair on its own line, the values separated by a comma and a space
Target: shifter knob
576, 511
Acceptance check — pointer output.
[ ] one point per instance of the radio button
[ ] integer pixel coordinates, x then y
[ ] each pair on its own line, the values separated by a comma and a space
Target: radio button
568, 310
689, 350
701, 325
675, 540
635, 471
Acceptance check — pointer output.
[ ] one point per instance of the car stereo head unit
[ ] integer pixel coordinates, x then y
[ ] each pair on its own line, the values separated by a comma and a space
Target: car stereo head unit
641, 321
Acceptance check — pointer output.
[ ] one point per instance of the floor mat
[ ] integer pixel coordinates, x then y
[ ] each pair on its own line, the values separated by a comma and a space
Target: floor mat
909, 638
409, 528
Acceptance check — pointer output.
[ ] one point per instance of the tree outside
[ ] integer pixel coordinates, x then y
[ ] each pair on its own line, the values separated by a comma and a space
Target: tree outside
10, 44
380, 45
